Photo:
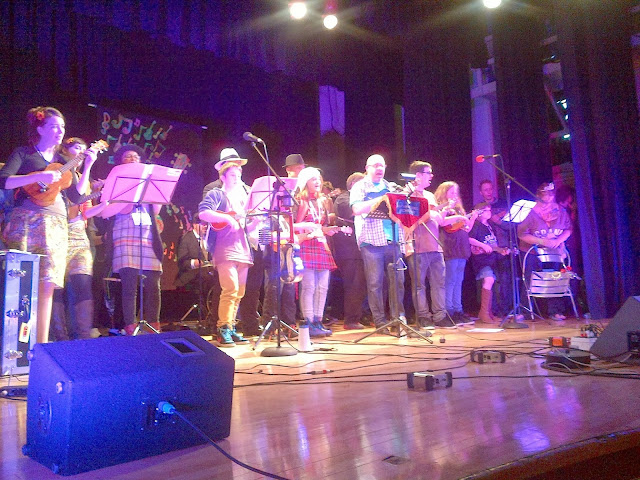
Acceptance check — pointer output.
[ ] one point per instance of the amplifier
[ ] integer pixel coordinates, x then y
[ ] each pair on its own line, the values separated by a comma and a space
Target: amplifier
19, 272
94, 403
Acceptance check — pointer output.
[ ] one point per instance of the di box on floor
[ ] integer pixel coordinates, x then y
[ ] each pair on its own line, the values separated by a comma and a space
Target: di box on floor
92, 403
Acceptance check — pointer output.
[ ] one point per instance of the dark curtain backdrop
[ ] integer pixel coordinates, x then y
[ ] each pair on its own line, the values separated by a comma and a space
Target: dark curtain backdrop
53, 55
437, 101
594, 44
233, 66
523, 130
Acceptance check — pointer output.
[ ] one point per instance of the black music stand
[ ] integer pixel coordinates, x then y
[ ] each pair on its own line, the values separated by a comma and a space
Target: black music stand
137, 184
381, 212
277, 194
517, 213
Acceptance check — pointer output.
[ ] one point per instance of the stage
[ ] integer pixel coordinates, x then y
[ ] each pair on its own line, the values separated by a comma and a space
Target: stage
345, 412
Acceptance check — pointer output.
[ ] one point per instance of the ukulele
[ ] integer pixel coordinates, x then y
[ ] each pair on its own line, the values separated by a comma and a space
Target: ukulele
476, 250
454, 227
44, 195
217, 226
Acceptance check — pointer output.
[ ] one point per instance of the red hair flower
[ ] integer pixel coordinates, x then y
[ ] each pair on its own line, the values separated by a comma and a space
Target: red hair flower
40, 115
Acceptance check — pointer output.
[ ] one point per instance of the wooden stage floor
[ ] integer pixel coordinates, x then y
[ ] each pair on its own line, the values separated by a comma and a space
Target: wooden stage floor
355, 418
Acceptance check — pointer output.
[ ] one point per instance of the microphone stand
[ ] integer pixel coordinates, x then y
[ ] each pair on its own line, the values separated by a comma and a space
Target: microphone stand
510, 320
274, 273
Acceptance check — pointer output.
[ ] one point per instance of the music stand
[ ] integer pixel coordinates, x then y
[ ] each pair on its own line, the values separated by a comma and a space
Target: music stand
272, 201
276, 192
381, 212
137, 184
518, 211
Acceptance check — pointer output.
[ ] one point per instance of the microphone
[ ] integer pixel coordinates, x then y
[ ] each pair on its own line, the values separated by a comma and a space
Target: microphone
482, 158
407, 177
250, 137
410, 190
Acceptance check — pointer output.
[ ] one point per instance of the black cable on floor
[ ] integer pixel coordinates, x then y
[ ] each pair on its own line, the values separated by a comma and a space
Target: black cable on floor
168, 409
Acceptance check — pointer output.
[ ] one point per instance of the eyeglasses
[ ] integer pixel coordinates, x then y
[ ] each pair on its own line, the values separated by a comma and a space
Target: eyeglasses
131, 155
427, 172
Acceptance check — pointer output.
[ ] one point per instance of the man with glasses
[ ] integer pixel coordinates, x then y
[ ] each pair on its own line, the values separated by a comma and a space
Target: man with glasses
425, 255
379, 241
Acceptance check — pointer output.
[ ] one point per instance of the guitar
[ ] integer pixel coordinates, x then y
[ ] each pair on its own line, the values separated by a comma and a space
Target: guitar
44, 195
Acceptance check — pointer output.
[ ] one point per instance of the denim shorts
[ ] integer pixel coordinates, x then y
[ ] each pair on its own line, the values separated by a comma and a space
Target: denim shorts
485, 272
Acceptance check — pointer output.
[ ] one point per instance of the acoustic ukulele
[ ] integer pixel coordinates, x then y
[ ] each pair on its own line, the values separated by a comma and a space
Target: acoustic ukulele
44, 195
476, 250
217, 226
454, 227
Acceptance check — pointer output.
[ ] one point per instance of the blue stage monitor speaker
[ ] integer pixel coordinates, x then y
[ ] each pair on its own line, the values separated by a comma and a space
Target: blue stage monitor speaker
92, 403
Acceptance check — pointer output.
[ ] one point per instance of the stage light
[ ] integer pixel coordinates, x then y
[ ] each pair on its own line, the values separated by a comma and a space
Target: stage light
330, 22
297, 10
492, 3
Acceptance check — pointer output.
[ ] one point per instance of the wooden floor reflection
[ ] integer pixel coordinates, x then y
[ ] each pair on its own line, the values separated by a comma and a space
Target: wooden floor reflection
345, 412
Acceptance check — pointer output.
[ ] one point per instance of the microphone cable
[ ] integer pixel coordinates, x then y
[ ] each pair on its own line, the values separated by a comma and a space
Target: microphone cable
168, 409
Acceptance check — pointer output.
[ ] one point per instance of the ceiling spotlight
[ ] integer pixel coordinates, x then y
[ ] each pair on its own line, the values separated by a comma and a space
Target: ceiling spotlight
297, 10
492, 3
330, 22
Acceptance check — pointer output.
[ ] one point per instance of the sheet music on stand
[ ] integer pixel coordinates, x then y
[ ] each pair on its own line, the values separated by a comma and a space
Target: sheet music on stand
261, 194
519, 211
134, 183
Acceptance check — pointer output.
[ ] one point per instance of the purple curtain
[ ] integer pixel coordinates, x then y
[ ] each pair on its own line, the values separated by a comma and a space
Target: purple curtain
594, 45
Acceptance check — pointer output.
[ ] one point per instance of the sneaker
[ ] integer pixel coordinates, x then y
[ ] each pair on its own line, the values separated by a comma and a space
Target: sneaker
353, 326
328, 321
446, 323
462, 318
557, 317
225, 339
237, 337
426, 323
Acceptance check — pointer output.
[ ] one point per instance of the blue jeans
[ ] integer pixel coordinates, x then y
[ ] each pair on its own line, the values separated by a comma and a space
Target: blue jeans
375, 264
453, 284
421, 264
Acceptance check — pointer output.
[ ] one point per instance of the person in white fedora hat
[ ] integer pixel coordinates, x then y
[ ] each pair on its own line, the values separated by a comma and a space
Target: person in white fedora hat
225, 208
227, 155
230, 155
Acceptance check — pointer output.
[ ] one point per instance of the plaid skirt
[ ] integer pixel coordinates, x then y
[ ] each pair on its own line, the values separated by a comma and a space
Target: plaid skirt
43, 234
316, 255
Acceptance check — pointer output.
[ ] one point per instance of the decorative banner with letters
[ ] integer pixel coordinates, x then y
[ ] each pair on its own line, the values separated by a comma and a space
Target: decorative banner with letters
168, 143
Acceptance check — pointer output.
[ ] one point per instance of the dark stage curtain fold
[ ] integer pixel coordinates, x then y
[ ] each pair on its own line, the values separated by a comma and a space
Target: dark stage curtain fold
595, 51
523, 131
437, 103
